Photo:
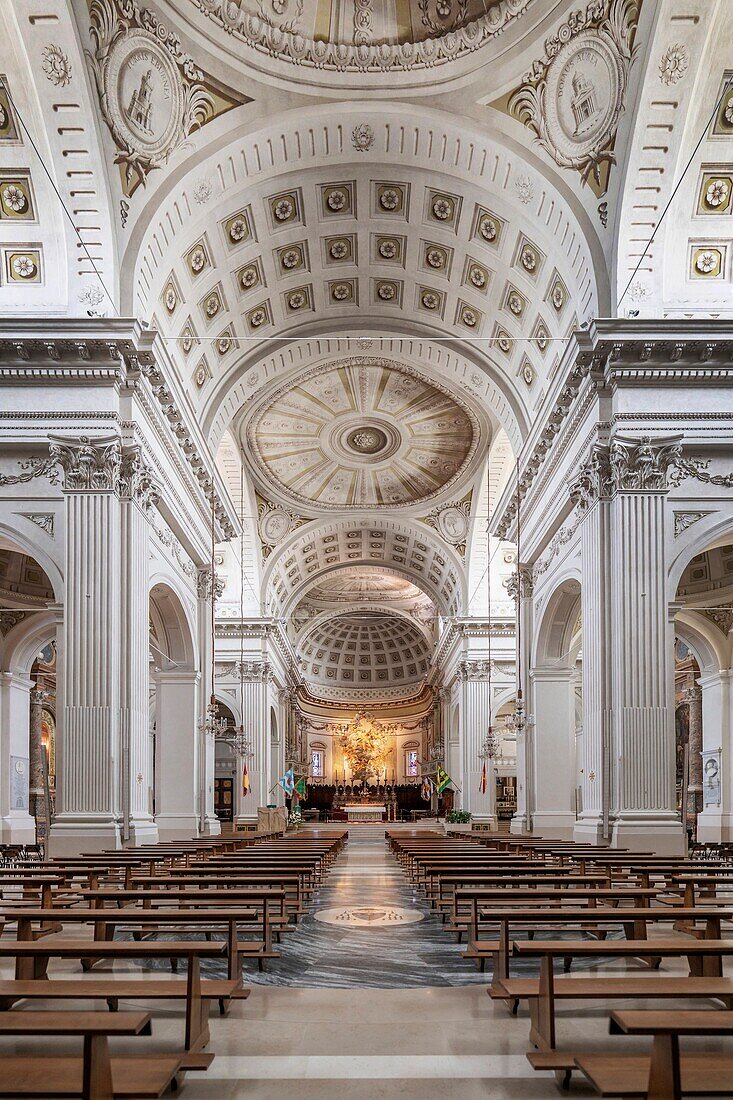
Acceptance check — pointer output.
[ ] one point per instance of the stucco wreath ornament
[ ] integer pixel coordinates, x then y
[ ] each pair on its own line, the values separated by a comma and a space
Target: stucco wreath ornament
150, 92
574, 96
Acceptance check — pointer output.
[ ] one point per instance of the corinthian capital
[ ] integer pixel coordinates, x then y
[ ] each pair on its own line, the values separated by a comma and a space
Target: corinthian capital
520, 584
137, 482
89, 465
208, 583
645, 463
594, 480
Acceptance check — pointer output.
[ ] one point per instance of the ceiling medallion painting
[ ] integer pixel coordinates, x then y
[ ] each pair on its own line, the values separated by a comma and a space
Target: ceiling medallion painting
362, 433
151, 93
573, 97
369, 37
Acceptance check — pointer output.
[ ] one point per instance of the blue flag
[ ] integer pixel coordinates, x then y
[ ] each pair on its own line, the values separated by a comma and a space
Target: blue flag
288, 782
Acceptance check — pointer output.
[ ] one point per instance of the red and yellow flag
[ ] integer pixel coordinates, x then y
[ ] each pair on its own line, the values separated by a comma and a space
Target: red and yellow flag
482, 784
245, 779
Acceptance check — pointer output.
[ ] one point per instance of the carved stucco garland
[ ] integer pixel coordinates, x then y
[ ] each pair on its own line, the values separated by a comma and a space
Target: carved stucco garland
639, 464
289, 46
108, 26
612, 29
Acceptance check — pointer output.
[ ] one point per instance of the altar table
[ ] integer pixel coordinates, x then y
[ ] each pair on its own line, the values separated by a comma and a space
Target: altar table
364, 812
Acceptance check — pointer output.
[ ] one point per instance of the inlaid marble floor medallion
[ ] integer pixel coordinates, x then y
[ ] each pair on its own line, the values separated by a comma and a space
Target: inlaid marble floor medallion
365, 916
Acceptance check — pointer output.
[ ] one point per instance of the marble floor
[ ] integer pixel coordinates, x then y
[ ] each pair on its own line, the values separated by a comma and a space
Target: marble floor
369, 1008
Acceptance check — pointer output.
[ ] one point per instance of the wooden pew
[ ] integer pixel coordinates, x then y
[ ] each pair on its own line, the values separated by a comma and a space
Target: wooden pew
667, 1074
93, 1075
197, 994
106, 921
542, 1029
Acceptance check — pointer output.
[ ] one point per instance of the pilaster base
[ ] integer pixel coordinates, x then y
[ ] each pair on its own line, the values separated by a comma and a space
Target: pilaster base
663, 835
18, 828
72, 835
143, 830
554, 826
589, 830
486, 819
177, 826
714, 828
518, 825
212, 826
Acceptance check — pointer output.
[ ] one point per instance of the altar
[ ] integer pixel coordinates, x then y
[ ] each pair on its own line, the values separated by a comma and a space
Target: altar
364, 811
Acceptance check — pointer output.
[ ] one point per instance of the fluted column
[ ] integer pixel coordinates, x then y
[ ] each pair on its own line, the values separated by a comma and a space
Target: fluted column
37, 788
627, 667
88, 736
138, 496
256, 676
475, 688
593, 823
521, 588
18, 825
694, 700
208, 588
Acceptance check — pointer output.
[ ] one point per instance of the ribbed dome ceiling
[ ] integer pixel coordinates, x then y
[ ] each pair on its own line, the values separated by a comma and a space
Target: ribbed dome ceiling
363, 434
364, 650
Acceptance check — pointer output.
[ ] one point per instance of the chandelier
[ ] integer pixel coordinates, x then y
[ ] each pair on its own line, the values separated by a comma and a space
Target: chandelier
239, 742
211, 724
366, 744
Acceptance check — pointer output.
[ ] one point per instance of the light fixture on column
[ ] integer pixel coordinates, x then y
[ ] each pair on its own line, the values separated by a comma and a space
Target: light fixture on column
490, 746
211, 725
240, 742
519, 719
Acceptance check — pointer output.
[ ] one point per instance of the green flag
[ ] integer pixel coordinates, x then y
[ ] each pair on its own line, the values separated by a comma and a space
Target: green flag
300, 788
442, 779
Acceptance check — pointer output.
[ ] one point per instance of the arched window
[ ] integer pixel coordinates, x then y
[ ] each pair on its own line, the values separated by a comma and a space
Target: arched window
317, 760
412, 760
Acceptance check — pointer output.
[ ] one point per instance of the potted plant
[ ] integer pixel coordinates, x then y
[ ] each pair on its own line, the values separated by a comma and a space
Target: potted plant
458, 821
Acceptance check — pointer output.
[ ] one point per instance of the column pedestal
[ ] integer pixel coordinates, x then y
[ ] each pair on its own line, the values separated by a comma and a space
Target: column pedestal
176, 764
554, 752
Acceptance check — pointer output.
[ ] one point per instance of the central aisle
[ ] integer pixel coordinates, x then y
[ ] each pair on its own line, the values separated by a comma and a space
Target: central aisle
358, 1007
368, 928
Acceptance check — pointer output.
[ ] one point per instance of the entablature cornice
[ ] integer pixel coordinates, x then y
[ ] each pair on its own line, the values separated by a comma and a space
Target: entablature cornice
125, 354
273, 639
598, 362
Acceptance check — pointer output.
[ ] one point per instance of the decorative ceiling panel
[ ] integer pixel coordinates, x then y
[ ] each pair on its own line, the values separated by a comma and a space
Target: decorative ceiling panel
360, 433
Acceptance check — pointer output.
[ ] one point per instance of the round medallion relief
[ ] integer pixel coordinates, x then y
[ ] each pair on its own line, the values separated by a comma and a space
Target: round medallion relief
367, 441
144, 93
583, 96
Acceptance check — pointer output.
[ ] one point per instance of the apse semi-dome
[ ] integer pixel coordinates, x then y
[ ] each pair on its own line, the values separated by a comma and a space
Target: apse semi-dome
364, 650
360, 435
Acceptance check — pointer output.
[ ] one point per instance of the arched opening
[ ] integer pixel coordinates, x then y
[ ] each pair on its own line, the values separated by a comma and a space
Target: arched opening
703, 645
28, 666
225, 770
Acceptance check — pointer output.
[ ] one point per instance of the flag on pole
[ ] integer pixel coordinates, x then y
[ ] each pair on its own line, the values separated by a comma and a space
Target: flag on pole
482, 784
300, 788
245, 779
288, 782
442, 779
425, 791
